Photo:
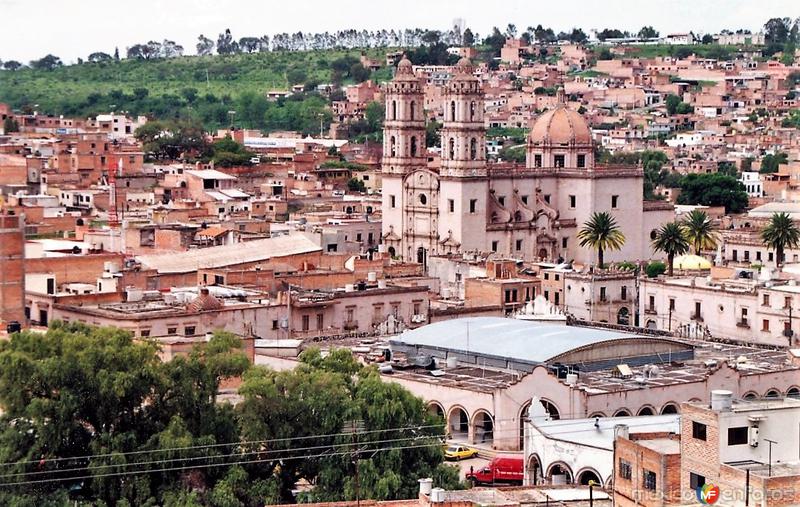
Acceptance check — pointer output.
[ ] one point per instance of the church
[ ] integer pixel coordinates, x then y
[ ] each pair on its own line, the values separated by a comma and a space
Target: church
468, 205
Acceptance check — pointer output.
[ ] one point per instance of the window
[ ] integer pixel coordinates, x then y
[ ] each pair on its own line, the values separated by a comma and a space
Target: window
393, 146
451, 205
758, 256
747, 255
473, 149
394, 110
602, 293
737, 436
651, 300
524, 199
649, 480
770, 256
413, 148
502, 200
572, 201
698, 430
787, 302
171, 331
624, 469
320, 321
392, 201
623, 293
188, 331
423, 199
417, 307
547, 198
765, 325
358, 237
452, 149
696, 480
547, 276
537, 161
275, 324
614, 201
563, 242
473, 205
453, 111
736, 255
519, 245
672, 304
144, 333
555, 298
558, 160
413, 109
581, 160
494, 246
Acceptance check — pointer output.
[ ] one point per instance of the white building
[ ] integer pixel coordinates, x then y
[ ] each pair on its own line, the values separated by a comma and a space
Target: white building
752, 183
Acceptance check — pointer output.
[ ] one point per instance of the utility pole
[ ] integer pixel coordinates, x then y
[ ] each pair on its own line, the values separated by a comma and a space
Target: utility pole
769, 467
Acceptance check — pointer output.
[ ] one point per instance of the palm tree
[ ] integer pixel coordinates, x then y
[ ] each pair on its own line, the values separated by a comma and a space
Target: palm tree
780, 232
671, 239
699, 231
601, 232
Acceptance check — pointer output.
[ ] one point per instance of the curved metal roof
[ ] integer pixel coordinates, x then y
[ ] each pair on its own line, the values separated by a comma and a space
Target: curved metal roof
521, 340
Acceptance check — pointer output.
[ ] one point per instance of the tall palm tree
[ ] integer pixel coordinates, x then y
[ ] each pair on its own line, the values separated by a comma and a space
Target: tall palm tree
699, 231
671, 239
780, 232
601, 232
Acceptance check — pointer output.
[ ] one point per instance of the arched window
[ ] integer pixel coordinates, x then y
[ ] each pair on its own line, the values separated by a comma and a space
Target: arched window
452, 149
393, 146
453, 110
413, 109
472, 110
413, 146
473, 148
394, 109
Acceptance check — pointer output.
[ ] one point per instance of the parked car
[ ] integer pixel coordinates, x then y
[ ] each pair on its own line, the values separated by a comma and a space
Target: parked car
459, 452
501, 470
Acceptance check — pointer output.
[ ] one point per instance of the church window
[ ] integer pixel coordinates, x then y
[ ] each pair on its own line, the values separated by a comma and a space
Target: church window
413, 109
473, 205
524, 199
563, 242
572, 201
502, 200
414, 146
519, 245
452, 149
581, 160
473, 149
423, 199
537, 161
453, 111
494, 246
392, 201
614, 201
393, 146
472, 110
558, 160
394, 109
451, 205
547, 198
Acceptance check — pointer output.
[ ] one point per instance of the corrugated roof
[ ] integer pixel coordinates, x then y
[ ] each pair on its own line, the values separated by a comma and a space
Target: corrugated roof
210, 174
222, 256
508, 338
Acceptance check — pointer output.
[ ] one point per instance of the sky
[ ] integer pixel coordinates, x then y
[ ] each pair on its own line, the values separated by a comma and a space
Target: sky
74, 28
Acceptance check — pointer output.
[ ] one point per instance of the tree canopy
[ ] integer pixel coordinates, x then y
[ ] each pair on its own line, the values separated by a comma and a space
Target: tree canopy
713, 189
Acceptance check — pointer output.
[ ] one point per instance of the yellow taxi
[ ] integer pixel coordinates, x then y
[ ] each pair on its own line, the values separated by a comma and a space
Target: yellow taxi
459, 452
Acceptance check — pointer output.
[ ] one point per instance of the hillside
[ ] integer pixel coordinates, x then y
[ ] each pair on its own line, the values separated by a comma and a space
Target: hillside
205, 87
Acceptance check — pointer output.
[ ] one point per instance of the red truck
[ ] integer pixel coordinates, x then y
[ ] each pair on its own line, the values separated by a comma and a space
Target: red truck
501, 470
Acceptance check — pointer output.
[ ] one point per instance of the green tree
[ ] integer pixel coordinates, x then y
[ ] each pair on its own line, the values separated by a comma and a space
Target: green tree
655, 268
671, 239
49, 62
780, 233
602, 233
713, 189
433, 134
770, 163
356, 185
648, 32
468, 38
375, 113
12, 65
699, 231
172, 140
10, 125
228, 153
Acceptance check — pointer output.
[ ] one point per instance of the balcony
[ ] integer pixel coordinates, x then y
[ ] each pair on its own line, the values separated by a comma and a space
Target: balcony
650, 310
350, 325
743, 323
697, 316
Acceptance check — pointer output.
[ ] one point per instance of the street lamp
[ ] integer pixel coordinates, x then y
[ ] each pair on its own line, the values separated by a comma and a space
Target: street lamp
592, 484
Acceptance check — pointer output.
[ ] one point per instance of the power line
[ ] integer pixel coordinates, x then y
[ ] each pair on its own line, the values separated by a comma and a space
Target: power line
246, 442
212, 465
217, 456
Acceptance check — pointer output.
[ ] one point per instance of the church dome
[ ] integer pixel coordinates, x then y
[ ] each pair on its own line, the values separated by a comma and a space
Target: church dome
561, 126
691, 263
405, 66
204, 302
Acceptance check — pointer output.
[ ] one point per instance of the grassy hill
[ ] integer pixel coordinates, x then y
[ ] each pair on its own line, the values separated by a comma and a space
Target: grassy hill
205, 87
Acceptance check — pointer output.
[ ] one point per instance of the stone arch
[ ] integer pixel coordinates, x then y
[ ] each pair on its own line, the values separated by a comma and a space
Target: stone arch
793, 392
623, 412
435, 408
750, 396
559, 473
534, 470
588, 474
458, 422
773, 393
669, 408
651, 324
646, 410
624, 316
482, 427
392, 251
695, 400
521, 417
597, 414
551, 408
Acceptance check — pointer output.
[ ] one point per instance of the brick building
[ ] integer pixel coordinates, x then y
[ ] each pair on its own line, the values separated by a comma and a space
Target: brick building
12, 268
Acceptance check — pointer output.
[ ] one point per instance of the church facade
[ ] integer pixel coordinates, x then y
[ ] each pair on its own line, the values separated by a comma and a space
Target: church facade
467, 205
